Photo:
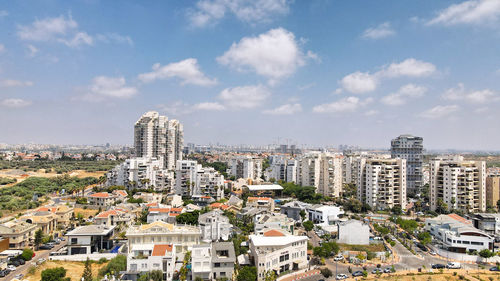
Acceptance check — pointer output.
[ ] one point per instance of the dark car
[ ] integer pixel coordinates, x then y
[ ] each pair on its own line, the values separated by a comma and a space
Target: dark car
438, 266
2, 273
495, 268
13, 262
422, 247
357, 273
45, 247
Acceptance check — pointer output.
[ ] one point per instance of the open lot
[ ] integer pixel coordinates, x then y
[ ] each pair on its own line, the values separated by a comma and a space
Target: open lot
21, 175
74, 269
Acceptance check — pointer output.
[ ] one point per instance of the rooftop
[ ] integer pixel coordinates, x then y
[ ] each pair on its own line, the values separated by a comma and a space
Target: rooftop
260, 187
91, 230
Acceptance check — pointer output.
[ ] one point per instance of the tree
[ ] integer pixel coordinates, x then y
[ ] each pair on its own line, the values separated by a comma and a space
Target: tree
424, 237
156, 275
302, 214
27, 254
247, 273
397, 210
188, 218
441, 208
308, 225
38, 238
115, 265
486, 254
270, 275
326, 272
55, 274
87, 272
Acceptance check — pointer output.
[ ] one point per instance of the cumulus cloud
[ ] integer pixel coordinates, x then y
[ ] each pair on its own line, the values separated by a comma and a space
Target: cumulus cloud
244, 97
459, 93
439, 111
109, 87
15, 103
359, 82
210, 106
209, 12
274, 54
31, 51
348, 104
188, 71
115, 38
363, 82
79, 39
475, 12
285, 109
403, 94
14, 83
383, 30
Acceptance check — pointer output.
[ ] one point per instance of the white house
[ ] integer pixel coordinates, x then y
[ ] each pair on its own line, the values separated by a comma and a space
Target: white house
323, 215
89, 239
214, 226
149, 257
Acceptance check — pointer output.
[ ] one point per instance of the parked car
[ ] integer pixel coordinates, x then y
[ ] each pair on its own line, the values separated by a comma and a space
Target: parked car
376, 270
19, 276
495, 268
388, 270
45, 247
11, 267
338, 258
341, 277
3, 273
357, 273
438, 266
454, 265
432, 253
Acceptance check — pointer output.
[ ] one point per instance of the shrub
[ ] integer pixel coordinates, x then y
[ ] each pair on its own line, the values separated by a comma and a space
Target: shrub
326, 272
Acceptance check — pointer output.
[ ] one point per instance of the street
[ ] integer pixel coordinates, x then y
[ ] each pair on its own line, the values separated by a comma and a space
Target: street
23, 269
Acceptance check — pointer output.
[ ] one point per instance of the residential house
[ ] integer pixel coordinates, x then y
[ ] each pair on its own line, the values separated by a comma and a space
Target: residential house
267, 221
89, 239
293, 210
214, 226
324, 215
213, 261
19, 233
264, 203
164, 214
149, 257
114, 217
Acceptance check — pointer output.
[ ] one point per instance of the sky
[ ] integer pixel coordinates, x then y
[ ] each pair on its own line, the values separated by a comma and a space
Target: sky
256, 72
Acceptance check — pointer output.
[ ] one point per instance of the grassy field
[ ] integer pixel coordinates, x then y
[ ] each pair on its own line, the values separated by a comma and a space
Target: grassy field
372, 247
21, 175
85, 212
74, 269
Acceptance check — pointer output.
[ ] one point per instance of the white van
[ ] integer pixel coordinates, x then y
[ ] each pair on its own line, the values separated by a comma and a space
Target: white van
454, 265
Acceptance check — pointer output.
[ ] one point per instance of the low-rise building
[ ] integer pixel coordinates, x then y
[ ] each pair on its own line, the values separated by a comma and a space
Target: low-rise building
278, 252
114, 217
213, 261
167, 215
149, 257
183, 237
46, 221
264, 203
487, 222
89, 239
458, 234
324, 215
19, 233
353, 232
294, 209
214, 226
267, 221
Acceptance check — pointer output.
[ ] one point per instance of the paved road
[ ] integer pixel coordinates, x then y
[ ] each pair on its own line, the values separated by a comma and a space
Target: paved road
23, 269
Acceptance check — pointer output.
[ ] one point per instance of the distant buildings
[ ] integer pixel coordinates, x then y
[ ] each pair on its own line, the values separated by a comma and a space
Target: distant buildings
157, 137
194, 180
411, 149
246, 167
277, 251
382, 182
459, 184
492, 190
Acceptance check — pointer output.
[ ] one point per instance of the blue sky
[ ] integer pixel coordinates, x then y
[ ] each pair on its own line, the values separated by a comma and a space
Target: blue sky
249, 72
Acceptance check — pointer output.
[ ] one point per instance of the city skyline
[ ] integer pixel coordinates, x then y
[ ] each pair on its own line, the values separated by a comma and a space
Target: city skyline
249, 72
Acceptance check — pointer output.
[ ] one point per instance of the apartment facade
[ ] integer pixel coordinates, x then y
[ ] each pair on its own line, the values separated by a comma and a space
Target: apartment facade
411, 149
460, 184
382, 182
194, 180
157, 137
492, 190
246, 167
151, 257
20, 233
215, 226
321, 170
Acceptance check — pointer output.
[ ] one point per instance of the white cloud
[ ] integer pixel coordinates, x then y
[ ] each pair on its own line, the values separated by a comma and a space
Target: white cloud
359, 82
208, 12
15, 103
469, 12
478, 96
3, 13
210, 106
362, 82
109, 87
402, 95
14, 83
274, 54
440, 111
286, 109
32, 51
244, 97
47, 29
409, 68
187, 70
383, 30
115, 38
80, 38
348, 104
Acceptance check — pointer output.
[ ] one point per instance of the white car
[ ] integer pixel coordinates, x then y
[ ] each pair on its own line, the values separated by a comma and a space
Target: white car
454, 265
341, 277
432, 253
11, 267
338, 258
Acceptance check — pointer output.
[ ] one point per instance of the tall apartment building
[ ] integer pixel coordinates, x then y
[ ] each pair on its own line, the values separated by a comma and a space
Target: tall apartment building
458, 183
350, 164
282, 169
492, 190
156, 136
246, 167
382, 182
193, 179
321, 170
411, 149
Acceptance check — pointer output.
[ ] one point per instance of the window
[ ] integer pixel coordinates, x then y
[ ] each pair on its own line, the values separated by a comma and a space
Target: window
74, 240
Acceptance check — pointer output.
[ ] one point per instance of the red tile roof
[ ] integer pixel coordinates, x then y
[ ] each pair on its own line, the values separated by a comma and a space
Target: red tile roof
260, 198
273, 233
160, 249
159, 210
459, 218
107, 214
100, 195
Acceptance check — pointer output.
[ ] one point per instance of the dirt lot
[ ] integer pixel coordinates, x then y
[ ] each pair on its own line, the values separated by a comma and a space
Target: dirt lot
21, 175
74, 270
86, 212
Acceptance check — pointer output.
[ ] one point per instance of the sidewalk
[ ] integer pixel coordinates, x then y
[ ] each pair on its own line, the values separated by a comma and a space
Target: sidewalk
298, 276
